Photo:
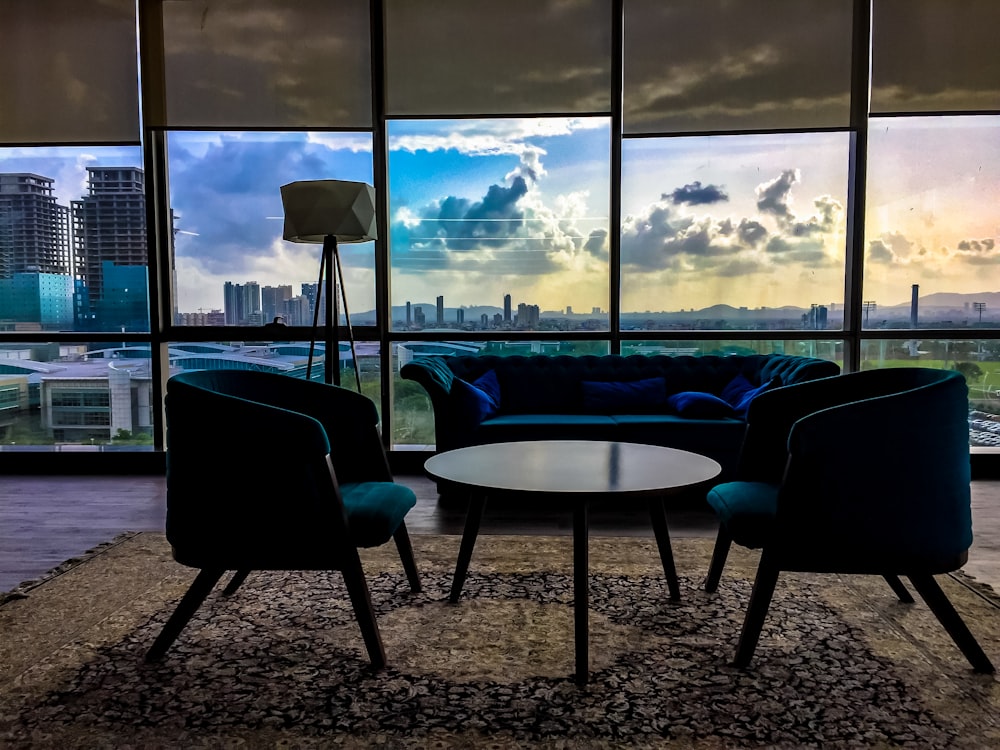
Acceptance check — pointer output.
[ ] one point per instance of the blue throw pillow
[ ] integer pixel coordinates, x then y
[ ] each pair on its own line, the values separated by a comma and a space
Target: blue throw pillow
740, 392
698, 405
620, 397
488, 383
478, 400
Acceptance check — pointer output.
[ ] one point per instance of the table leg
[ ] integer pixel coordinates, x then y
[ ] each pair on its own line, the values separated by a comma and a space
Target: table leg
477, 503
658, 516
581, 590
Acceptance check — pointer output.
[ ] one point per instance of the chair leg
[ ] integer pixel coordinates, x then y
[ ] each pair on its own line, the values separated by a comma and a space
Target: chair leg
942, 608
897, 586
760, 601
658, 516
203, 583
361, 600
722, 543
235, 582
402, 538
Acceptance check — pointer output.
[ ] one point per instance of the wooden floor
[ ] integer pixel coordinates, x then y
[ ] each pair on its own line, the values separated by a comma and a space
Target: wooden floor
47, 520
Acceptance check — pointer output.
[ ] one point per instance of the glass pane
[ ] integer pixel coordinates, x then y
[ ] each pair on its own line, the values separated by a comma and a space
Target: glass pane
70, 72
93, 396
977, 359
935, 55
73, 242
479, 57
284, 357
412, 415
232, 266
710, 65
932, 258
734, 232
490, 215
257, 63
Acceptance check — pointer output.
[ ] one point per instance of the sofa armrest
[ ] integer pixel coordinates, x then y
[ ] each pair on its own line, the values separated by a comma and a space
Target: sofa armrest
437, 379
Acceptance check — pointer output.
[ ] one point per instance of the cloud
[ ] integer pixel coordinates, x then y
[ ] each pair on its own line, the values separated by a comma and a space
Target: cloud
979, 252
666, 235
891, 249
751, 232
694, 194
976, 246
511, 230
773, 196
879, 252
465, 225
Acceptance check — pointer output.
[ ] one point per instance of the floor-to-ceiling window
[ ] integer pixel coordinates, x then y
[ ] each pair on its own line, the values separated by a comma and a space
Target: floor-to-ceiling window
628, 176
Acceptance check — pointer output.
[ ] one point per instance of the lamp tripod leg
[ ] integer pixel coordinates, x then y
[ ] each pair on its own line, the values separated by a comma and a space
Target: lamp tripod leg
347, 318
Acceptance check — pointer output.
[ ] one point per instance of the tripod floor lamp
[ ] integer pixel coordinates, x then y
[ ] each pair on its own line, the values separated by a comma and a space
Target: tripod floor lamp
330, 212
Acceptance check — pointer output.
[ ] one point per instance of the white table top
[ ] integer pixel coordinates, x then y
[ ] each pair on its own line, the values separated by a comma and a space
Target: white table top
572, 467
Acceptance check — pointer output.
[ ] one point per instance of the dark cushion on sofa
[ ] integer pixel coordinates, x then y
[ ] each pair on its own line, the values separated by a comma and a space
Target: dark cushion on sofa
700, 405
739, 392
624, 397
474, 403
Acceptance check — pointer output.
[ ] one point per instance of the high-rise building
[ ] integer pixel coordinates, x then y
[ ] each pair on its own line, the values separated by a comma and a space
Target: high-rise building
311, 292
109, 226
242, 303
527, 315
409, 315
440, 310
34, 229
272, 301
506, 308
297, 311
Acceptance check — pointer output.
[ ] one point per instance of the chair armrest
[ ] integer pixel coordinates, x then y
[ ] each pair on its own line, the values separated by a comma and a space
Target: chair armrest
770, 417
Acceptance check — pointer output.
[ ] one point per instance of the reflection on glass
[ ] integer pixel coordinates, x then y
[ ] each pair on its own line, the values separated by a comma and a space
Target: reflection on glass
499, 225
828, 349
231, 265
931, 250
734, 232
88, 396
711, 65
977, 359
412, 415
289, 358
73, 246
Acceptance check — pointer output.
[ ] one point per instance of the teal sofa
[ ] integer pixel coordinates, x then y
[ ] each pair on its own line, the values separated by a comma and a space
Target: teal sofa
687, 402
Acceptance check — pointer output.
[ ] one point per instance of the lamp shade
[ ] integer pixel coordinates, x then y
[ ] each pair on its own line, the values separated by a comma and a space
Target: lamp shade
315, 209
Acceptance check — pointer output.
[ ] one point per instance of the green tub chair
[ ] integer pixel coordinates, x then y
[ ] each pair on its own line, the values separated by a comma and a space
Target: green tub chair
268, 472
863, 473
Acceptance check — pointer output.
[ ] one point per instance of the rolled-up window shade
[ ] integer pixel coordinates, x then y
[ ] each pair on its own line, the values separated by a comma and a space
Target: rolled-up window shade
68, 72
482, 57
718, 65
267, 64
935, 56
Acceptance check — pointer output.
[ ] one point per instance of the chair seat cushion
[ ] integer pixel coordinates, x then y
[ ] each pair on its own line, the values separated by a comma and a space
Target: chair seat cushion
746, 509
375, 510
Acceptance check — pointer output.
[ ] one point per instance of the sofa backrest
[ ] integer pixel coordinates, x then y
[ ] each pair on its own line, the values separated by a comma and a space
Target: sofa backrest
552, 384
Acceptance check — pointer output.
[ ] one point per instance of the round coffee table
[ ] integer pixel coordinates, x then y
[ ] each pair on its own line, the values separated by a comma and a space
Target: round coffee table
577, 472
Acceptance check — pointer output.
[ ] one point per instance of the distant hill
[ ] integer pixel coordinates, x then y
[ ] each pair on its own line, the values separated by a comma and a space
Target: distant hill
941, 302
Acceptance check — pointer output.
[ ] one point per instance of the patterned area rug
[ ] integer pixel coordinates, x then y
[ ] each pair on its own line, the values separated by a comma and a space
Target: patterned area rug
841, 663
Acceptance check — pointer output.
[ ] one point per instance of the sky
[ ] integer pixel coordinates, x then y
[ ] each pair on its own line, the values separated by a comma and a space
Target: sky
481, 208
